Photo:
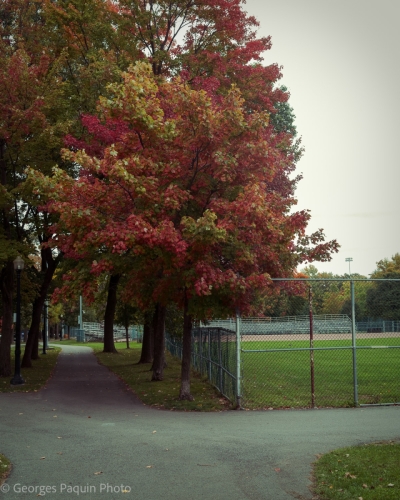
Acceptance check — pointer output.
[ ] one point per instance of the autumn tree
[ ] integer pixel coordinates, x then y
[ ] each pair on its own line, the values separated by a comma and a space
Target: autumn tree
181, 196
57, 58
24, 87
383, 297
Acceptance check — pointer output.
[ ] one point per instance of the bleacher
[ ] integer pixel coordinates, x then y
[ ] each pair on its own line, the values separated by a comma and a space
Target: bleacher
288, 325
94, 332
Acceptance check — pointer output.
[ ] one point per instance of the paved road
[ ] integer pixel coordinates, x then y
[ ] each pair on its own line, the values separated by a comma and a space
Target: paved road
86, 436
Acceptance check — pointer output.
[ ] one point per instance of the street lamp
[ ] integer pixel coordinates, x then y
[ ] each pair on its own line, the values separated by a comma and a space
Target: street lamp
17, 379
349, 259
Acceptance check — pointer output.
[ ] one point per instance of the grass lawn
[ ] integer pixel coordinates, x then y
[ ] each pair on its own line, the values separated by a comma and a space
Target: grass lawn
162, 394
282, 378
34, 377
5, 467
368, 472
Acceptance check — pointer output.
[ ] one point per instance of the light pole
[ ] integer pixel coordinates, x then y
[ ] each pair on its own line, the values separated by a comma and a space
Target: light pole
349, 259
17, 379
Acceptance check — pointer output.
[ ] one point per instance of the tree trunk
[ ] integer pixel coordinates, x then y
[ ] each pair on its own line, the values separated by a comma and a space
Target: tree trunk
32, 342
6, 280
109, 314
35, 348
7, 288
159, 344
147, 353
49, 265
186, 353
127, 336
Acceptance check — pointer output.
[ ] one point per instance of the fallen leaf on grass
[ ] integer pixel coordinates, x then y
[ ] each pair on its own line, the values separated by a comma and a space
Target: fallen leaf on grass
365, 486
277, 469
350, 475
390, 484
98, 473
154, 432
149, 466
42, 458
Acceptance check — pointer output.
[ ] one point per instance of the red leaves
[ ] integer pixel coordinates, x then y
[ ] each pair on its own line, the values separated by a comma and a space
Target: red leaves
20, 104
184, 188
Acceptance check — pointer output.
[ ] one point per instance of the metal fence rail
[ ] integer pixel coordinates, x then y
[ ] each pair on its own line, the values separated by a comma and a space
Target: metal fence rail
341, 347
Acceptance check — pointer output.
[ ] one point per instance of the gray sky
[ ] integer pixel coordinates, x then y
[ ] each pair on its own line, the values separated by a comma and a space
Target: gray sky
341, 63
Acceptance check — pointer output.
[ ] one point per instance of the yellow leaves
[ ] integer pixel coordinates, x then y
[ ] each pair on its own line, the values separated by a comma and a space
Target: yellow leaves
136, 101
204, 229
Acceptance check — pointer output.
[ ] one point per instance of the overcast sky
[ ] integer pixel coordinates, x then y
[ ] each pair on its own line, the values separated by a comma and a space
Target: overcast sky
341, 64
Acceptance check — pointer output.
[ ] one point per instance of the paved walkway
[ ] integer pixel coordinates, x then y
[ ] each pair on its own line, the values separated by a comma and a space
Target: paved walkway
86, 435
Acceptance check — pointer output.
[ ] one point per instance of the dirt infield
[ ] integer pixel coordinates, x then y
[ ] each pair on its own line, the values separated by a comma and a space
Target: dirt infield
319, 336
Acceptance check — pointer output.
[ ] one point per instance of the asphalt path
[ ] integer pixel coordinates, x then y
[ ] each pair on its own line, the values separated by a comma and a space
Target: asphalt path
85, 435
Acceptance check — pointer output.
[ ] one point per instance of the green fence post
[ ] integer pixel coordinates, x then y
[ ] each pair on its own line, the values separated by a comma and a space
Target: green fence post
353, 340
238, 369
220, 385
209, 355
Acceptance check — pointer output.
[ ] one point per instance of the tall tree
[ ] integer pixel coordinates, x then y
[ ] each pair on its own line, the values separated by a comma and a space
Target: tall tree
182, 192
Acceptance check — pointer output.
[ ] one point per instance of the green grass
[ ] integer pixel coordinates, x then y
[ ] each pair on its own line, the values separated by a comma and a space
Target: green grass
163, 395
368, 472
5, 468
282, 378
35, 377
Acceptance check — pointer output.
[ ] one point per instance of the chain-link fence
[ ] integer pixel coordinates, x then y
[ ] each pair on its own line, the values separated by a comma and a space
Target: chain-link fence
214, 355
321, 343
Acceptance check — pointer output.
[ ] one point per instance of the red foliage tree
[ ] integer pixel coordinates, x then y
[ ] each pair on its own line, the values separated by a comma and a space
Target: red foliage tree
181, 198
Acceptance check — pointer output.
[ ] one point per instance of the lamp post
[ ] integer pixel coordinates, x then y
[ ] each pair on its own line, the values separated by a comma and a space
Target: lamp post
349, 259
17, 379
